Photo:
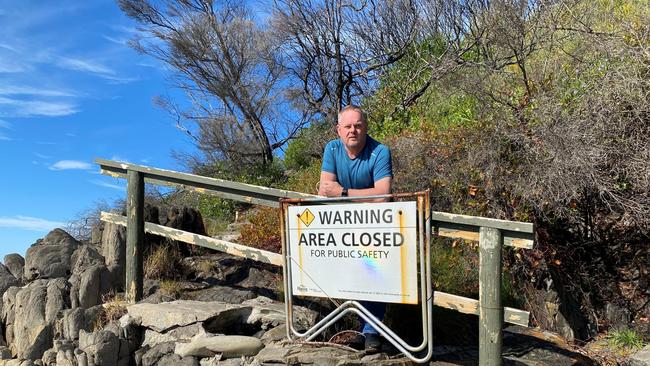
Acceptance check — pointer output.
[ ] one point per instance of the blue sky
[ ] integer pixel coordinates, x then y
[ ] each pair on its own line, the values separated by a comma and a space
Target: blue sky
71, 90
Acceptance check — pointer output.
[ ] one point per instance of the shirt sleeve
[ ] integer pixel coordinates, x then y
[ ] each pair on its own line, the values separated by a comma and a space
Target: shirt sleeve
383, 166
329, 164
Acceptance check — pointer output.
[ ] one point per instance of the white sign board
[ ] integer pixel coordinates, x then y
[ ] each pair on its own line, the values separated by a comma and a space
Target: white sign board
359, 251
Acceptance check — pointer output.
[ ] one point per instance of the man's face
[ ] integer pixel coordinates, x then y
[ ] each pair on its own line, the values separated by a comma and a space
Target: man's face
352, 130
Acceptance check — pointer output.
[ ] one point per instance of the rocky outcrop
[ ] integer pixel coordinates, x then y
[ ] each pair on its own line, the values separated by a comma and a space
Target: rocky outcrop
51, 256
113, 244
15, 263
225, 317
36, 307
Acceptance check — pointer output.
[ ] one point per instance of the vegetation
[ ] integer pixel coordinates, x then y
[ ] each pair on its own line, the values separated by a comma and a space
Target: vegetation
625, 339
163, 262
530, 111
113, 308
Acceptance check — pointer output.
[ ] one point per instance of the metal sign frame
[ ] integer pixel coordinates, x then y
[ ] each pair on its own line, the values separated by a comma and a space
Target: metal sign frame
353, 306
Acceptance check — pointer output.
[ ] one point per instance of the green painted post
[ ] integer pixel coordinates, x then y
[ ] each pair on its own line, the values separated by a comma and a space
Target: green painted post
134, 235
490, 307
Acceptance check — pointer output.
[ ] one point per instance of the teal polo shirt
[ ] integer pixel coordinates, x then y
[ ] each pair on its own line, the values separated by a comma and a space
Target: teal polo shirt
371, 165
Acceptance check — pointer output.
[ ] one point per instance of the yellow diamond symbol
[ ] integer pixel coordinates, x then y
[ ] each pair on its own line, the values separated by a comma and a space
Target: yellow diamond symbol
307, 217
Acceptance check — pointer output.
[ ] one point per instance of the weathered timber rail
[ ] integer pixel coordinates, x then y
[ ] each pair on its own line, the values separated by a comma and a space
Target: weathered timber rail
491, 234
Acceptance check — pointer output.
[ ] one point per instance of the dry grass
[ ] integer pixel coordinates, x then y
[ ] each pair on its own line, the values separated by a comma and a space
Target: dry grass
164, 262
114, 307
170, 288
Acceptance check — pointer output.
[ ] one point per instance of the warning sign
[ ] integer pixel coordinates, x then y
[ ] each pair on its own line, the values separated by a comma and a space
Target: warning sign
363, 251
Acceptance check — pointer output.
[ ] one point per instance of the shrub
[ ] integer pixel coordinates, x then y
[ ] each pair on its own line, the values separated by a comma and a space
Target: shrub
263, 229
164, 261
113, 308
171, 288
306, 179
625, 339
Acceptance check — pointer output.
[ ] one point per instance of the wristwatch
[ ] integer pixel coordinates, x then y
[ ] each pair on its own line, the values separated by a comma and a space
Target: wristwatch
344, 192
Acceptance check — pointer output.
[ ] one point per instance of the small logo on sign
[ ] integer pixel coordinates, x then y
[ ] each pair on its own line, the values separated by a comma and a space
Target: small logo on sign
307, 217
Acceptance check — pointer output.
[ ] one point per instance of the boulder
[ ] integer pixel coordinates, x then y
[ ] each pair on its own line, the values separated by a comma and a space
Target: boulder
102, 348
15, 263
50, 257
8, 312
89, 286
182, 334
218, 317
204, 345
74, 320
150, 356
35, 311
6, 280
640, 358
84, 257
114, 252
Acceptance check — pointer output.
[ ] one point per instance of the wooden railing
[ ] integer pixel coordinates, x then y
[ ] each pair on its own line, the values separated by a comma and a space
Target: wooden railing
491, 234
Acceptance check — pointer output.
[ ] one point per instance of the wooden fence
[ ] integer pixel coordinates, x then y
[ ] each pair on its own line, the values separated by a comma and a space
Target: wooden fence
491, 234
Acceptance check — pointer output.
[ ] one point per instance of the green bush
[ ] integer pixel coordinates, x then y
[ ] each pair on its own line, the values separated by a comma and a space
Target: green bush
625, 339
263, 229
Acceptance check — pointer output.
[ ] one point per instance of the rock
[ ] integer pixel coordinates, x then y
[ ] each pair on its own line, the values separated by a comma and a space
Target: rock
641, 358
211, 361
176, 360
36, 309
84, 257
218, 317
618, 316
8, 312
6, 280
73, 320
113, 244
101, 347
307, 354
184, 218
5, 353
203, 345
15, 263
276, 334
94, 283
49, 357
152, 338
221, 293
155, 353
50, 257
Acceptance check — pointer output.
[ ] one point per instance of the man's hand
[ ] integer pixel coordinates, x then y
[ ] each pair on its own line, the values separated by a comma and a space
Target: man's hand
330, 189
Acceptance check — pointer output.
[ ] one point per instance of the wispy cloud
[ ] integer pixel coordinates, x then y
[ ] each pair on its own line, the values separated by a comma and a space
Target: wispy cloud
90, 66
42, 156
70, 164
4, 124
22, 90
29, 223
107, 185
4, 137
28, 108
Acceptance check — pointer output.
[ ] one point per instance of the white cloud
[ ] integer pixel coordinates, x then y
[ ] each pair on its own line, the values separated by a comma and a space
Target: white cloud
4, 137
70, 164
42, 156
93, 67
29, 223
4, 124
108, 185
28, 108
22, 90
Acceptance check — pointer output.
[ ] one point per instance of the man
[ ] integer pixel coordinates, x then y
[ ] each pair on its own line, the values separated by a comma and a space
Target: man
357, 165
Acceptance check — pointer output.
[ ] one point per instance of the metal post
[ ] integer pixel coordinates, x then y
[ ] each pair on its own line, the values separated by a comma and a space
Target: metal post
134, 235
490, 309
